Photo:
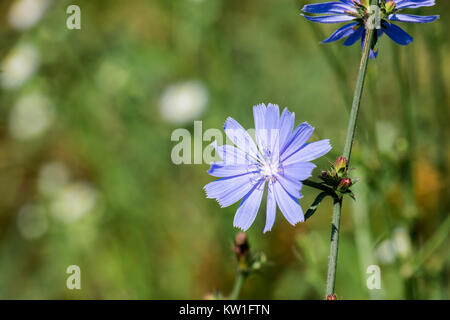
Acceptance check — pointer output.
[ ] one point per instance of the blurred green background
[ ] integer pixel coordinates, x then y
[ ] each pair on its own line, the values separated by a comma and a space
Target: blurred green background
86, 118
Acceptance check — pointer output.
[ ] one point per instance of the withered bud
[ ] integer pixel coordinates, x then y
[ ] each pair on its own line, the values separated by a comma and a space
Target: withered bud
241, 246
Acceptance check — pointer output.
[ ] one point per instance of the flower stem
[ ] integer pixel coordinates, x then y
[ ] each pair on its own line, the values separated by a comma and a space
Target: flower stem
238, 282
334, 243
319, 186
337, 205
357, 96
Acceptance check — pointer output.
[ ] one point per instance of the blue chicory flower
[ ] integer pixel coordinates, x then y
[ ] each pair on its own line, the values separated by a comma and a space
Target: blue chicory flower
279, 158
357, 12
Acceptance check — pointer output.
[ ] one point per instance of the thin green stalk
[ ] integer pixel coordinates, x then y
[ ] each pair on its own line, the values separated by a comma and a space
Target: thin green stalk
337, 206
357, 96
238, 282
334, 246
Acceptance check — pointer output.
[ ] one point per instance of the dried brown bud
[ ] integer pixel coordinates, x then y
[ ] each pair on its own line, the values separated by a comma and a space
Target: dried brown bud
241, 246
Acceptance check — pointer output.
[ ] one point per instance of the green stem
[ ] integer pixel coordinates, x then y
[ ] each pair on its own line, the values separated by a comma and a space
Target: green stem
337, 206
238, 282
319, 186
357, 96
334, 244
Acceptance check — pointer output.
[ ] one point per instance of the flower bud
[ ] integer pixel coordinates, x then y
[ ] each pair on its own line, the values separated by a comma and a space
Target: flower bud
327, 178
331, 297
344, 184
365, 3
390, 6
340, 165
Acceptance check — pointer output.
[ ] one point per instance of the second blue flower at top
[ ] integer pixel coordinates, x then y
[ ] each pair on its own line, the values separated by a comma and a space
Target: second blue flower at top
358, 11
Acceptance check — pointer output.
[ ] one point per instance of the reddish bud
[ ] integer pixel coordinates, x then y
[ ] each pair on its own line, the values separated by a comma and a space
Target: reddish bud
344, 184
331, 297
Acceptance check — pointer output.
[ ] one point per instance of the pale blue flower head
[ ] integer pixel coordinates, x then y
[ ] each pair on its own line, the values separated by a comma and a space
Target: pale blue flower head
280, 158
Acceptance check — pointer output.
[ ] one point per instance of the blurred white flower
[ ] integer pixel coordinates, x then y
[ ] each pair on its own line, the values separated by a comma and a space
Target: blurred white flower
24, 14
32, 221
385, 252
402, 242
183, 102
73, 201
18, 66
31, 116
53, 176
398, 246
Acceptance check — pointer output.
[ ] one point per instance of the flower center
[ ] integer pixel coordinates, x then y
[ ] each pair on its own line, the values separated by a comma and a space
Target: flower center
269, 170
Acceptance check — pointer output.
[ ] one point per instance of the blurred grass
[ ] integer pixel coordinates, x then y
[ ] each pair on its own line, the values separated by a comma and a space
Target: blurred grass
152, 233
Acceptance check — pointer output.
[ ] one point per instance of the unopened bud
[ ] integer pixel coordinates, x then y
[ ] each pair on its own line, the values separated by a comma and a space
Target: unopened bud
365, 3
331, 297
329, 177
344, 184
340, 165
390, 6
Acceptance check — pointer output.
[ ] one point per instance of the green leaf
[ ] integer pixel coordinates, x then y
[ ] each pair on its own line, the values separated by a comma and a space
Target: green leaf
312, 209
